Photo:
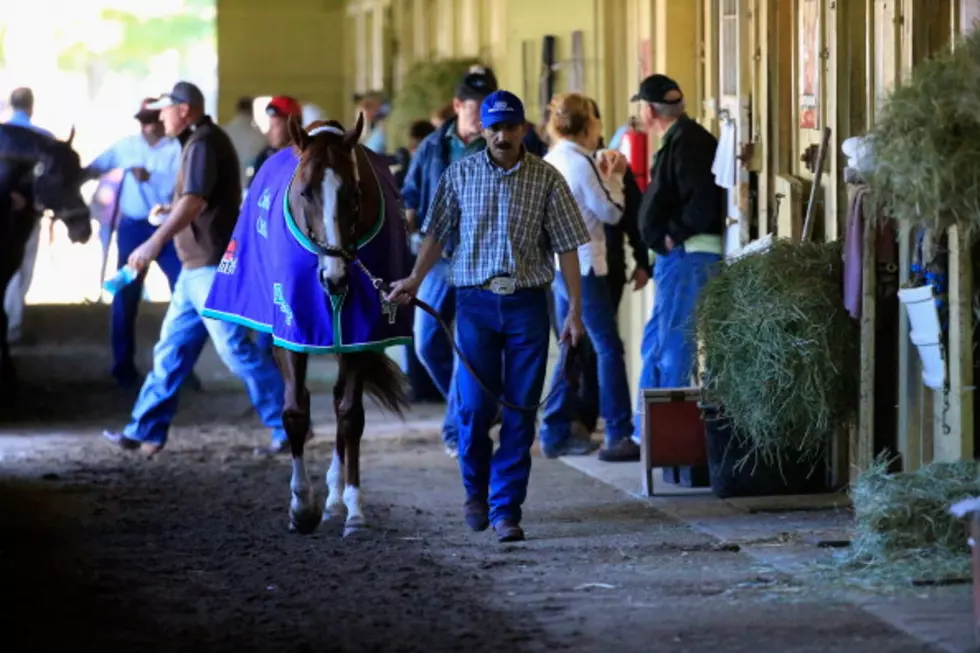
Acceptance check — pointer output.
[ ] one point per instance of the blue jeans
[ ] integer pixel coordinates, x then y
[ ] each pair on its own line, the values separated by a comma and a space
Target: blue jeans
668, 347
432, 347
183, 335
614, 391
130, 234
505, 339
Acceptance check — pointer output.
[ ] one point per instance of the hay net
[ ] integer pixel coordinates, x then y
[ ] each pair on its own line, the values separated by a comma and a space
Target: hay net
781, 355
926, 143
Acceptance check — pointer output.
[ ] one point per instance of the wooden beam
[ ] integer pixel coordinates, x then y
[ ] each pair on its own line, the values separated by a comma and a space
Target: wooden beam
909, 378
953, 438
421, 48
862, 439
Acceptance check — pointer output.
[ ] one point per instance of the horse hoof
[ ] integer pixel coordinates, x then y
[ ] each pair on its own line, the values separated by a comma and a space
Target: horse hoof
303, 523
354, 529
334, 512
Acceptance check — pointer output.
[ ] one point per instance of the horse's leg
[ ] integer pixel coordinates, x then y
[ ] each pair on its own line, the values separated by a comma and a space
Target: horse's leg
334, 506
8, 375
303, 516
350, 428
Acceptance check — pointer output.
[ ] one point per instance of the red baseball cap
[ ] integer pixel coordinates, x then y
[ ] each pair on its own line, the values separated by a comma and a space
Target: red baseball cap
283, 106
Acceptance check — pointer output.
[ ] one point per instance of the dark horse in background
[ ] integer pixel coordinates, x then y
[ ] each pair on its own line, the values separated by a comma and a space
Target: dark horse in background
37, 174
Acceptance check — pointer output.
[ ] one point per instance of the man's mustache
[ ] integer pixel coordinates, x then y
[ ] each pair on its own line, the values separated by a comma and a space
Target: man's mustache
504, 145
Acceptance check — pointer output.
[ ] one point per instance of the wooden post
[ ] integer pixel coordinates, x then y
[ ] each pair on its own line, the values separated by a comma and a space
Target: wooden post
863, 437
957, 444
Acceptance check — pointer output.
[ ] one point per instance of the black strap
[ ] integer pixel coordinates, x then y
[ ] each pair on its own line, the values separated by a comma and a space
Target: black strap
602, 183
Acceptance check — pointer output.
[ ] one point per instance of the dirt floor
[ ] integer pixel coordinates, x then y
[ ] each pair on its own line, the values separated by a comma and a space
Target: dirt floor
104, 551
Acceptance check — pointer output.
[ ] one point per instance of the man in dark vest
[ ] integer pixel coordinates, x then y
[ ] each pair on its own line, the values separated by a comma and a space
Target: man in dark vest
200, 223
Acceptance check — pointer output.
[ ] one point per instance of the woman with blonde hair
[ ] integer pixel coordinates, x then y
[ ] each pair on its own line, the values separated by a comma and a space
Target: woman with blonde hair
596, 182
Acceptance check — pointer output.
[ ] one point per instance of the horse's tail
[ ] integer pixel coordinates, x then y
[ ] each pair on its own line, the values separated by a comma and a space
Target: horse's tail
382, 379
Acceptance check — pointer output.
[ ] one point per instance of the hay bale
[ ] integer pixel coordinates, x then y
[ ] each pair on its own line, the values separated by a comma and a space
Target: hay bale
926, 143
902, 523
781, 353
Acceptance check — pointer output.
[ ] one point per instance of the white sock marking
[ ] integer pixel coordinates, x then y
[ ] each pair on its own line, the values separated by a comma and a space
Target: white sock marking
335, 485
352, 499
333, 266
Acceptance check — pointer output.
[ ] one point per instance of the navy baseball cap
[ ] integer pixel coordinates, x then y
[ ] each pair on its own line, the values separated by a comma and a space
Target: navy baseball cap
656, 88
182, 93
476, 85
501, 107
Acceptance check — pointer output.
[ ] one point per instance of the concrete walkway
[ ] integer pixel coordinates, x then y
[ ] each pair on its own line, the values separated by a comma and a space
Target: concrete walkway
785, 533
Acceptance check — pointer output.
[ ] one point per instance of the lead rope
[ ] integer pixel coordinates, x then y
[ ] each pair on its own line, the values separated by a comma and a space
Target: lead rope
566, 353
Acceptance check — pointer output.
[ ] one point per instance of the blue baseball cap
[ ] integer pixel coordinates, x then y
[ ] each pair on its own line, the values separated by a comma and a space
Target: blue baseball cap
501, 107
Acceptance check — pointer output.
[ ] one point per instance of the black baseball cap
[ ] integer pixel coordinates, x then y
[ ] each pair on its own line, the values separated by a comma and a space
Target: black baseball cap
656, 88
477, 85
181, 93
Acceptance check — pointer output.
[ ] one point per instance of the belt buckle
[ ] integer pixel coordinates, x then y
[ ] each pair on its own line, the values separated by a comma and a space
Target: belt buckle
502, 286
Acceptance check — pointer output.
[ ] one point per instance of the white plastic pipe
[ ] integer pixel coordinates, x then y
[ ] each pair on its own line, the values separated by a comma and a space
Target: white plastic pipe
924, 334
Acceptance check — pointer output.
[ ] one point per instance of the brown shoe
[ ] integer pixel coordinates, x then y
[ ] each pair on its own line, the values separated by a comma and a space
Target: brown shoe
508, 530
476, 515
623, 451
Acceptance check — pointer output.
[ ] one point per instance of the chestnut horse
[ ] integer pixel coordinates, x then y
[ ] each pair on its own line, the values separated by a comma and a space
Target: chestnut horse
321, 223
37, 173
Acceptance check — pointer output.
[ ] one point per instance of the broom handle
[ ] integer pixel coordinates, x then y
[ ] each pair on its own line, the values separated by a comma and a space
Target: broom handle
812, 205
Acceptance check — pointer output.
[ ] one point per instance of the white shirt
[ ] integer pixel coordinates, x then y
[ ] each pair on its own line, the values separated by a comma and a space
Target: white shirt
600, 200
247, 140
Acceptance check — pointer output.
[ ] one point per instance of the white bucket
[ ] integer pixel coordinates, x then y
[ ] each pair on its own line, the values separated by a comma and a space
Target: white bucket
925, 335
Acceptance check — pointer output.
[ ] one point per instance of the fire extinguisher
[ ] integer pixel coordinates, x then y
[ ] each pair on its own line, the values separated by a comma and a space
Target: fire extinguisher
634, 146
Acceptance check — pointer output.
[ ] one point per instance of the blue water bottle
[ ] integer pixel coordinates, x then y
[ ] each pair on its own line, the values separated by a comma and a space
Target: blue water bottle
125, 276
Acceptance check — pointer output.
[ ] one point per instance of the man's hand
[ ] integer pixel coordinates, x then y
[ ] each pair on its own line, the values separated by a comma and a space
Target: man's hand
403, 290
159, 209
640, 279
141, 174
410, 221
620, 164
143, 255
668, 243
574, 329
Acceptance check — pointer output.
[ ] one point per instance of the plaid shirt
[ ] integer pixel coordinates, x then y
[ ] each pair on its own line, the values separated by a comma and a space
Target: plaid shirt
506, 222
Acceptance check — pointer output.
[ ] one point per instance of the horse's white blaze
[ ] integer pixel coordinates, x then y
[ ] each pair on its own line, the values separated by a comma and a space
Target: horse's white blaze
352, 499
302, 491
335, 485
333, 266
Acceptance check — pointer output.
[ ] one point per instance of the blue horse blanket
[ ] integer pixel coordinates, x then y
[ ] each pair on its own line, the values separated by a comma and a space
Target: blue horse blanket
267, 279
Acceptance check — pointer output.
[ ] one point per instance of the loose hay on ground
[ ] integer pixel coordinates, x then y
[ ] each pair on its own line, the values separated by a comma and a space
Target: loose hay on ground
903, 531
781, 353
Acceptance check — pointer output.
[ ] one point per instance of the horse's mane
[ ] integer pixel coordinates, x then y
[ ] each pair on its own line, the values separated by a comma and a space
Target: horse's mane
319, 156
17, 141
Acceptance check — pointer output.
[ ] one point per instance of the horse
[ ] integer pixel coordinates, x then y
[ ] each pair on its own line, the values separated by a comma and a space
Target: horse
41, 173
320, 228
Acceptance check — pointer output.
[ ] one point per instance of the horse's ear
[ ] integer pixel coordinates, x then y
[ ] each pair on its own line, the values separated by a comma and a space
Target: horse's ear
71, 136
298, 135
354, 135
